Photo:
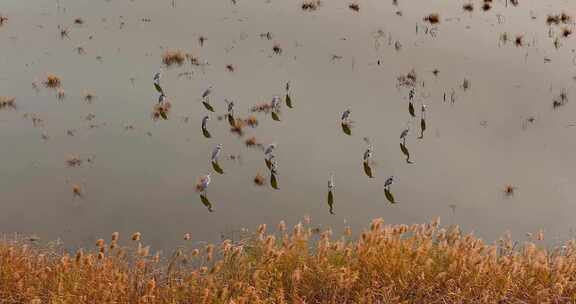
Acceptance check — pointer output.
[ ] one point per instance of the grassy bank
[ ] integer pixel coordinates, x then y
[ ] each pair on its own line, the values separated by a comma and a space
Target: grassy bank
385, 264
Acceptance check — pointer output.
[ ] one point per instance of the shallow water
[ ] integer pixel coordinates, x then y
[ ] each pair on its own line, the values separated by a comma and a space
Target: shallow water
471, 150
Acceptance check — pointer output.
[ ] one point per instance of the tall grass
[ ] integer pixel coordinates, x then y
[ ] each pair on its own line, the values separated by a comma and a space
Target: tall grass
421, 263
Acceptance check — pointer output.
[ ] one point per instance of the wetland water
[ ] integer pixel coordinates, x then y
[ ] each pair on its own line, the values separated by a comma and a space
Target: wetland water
138, 174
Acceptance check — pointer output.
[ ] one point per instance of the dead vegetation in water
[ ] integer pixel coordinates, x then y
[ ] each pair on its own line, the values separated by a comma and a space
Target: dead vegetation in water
432, 18
7, 102
52, 81
310, 5
409, 80
173, 57
419, 263
354, 6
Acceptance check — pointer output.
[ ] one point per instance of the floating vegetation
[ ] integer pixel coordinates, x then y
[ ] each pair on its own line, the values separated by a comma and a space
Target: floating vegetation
432, 18
7, 102
89, 97
52, 81
561, 100
161, 110
310, 5
259, 180
277, 49
408, 81
77, 190
354, 6
173, 57
519, 41
509, 190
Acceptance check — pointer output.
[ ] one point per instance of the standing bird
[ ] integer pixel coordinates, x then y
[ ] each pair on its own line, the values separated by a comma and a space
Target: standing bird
207, 92
157, 82
216, 153
368, 154
331, 187
404, 134
389, 182
161, 98
202, 185
346, 116
271, 147
205, 120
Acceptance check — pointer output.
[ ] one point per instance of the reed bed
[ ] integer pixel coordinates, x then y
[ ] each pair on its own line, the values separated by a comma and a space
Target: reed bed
420, 263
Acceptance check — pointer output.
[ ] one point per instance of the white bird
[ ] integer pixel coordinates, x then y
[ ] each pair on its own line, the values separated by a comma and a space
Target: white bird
405, 133
331, 184
216, 152
161, 98
389, 181
205, 121
204, 182
346, 116
207, 92
270, 149
230, 106
368, 153
157, 77
275, 103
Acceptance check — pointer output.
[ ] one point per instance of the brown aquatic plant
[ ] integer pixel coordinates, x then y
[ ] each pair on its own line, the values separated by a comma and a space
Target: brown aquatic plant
310, 5
7, 102
173, 57
354, 6
509, 190
277, 49
259, 180
432, 18
52, 81
519, 40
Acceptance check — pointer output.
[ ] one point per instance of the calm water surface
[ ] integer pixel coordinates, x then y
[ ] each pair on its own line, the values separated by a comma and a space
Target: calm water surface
143, 171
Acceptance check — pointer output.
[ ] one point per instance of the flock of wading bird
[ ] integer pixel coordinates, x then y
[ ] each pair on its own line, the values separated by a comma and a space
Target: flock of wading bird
410, 82
161, 110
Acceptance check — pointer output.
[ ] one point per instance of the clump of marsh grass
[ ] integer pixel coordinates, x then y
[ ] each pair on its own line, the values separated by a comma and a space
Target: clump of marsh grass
432, 18
310, 5
419, 263
173, 57
52, 81
7, 102
354, 6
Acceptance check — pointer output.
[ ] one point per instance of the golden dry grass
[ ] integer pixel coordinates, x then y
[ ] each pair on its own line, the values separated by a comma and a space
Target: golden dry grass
421, 263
